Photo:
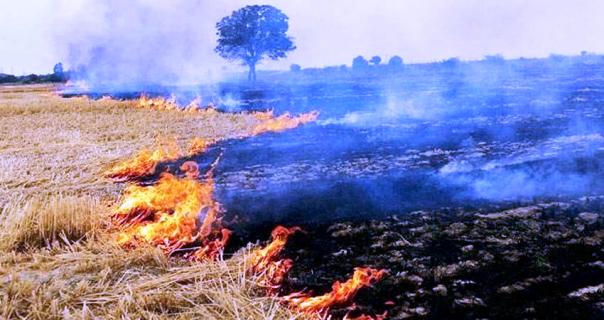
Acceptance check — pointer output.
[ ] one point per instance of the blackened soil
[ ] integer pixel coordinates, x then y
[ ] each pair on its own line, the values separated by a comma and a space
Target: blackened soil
544, 261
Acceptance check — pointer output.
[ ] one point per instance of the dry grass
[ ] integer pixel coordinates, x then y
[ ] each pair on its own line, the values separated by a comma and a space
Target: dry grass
58, 259
51, 144
49, 221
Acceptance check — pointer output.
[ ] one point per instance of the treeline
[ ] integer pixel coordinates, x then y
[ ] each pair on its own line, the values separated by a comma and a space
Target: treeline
58, 75
375, 66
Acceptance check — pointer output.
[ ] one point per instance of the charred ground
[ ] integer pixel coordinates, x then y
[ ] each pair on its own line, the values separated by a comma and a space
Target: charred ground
541, 261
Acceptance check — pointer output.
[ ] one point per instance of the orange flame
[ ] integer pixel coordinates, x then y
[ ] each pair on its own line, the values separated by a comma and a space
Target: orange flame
211, 249
263, 261
163, 104
199, 145
159, 103
263, 115
270, 123
341, 293
170, 214
145, 161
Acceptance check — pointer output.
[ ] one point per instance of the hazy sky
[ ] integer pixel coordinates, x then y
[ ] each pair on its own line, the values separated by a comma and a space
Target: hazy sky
35, 34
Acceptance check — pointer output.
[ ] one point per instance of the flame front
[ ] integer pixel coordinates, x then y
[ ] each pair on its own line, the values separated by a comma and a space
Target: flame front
158, 103
270, 123
341, 293
145, 161
199, 146
264, 261
170, 214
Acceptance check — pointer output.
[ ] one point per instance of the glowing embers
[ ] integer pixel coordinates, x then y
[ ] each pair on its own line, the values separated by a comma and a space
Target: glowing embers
173, 213
341, 293
264, 261
145, 161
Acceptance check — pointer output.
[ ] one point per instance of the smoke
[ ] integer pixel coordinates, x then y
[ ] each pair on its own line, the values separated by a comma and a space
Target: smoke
133, 44
426, 136
39, 33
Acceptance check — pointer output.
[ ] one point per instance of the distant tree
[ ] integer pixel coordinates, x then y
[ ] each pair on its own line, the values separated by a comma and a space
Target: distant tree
395, 62
494, 59
556, 57
31, 78
375, 60
295, 68
58, 69
451, 62
359, 63
57, 73
8, 78
252, 33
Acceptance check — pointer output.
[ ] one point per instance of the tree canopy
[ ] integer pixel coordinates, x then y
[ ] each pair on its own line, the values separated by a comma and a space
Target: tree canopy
359, 63
395, 62
253, 33
375, 60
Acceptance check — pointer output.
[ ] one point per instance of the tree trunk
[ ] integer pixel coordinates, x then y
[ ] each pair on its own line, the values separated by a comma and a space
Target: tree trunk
251, 76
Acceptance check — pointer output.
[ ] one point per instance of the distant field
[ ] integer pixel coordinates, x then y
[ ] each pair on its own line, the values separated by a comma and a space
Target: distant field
57, 258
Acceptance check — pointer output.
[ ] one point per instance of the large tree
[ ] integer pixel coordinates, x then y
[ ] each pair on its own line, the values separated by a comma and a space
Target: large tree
253, 33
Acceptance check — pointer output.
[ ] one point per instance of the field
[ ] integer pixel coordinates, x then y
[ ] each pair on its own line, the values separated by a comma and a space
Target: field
470, 189
59, 259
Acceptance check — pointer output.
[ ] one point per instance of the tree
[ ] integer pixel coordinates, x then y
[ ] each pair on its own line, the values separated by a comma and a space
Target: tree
451, 62
395, 62
253, 33
58, 69
57, 72
295, 68
359, 63
375, 60
494, 59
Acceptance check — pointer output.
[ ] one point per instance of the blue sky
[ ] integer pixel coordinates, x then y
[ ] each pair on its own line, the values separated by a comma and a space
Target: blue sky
38, 33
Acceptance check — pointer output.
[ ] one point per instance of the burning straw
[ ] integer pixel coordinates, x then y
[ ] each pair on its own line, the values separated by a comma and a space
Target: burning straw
180, 214
144, 163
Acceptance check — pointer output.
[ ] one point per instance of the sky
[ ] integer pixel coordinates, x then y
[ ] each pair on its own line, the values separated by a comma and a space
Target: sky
180, 34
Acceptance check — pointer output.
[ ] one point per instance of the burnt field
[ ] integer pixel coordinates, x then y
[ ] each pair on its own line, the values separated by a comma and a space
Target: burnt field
470, 189
478, 188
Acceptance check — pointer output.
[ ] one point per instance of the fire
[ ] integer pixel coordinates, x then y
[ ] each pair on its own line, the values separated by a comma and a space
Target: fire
158, 103
199, 145
170, 214
176, 214
211, 249
263, 115
194, 105
341, 293
270, 123
163, 104
263, 261
145, 161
